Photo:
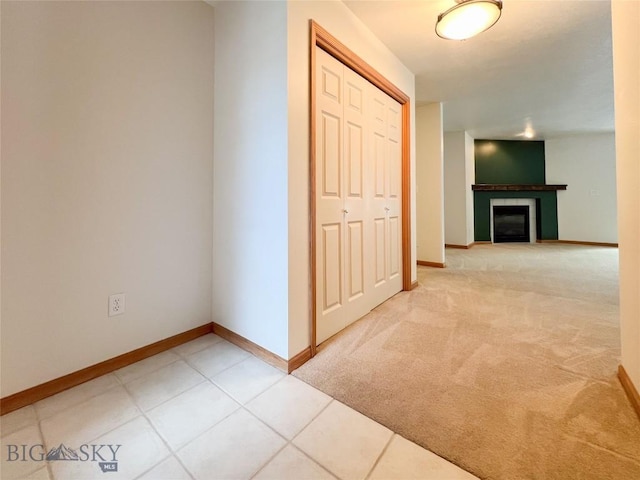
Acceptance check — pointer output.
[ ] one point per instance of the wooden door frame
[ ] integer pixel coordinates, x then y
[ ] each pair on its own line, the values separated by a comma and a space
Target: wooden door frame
327, 42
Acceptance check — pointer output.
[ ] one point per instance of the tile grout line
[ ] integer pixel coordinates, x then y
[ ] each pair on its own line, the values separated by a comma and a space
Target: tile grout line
244, 407
143, 413
45, 443
108, 431
115, 372
316, 416
47, 464
5, 434
103, 434
249, 400
204, 379
262, 467
129, 394
163, 458
176, 451
317, 462
172, 453
120, 382
184, 356
384, 450
314, 461
224, 369
241, 406
164, 401
90, 397
287, 441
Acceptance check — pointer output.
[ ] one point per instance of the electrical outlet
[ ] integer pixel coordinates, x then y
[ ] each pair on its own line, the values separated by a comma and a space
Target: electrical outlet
116, 304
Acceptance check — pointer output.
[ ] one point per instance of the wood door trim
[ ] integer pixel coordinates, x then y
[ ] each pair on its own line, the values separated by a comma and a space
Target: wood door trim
344, 55
319, 37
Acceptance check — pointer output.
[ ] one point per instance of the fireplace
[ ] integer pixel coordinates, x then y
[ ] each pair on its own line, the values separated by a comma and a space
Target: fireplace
511, 223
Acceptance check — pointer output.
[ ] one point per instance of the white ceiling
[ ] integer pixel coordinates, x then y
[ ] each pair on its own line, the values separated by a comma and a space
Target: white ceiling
546, 64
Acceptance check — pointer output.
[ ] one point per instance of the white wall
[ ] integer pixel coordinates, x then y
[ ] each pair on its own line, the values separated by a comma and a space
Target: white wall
455, 201
470, 171
587, 163
626, 74
430, 183
335, 17
107, 112
250, 238
459, 175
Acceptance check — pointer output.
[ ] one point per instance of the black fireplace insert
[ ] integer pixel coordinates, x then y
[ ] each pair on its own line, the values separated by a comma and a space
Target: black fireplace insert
511, 224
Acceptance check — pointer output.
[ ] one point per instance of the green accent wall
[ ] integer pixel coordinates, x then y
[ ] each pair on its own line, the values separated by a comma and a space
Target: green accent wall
547, 213
515, 162
510, 162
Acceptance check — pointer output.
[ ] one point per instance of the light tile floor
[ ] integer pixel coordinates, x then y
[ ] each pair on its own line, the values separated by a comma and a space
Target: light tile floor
208, 410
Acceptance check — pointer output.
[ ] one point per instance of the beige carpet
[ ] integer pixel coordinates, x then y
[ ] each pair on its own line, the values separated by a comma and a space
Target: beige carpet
503, 363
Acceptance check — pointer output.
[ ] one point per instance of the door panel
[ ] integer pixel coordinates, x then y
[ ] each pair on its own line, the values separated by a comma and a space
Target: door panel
395, 170
380, 250
332, 255
379, 117
355, 93
379, 169
330, 158
355, 249
354, 160
394, 117
394, 247
331, 83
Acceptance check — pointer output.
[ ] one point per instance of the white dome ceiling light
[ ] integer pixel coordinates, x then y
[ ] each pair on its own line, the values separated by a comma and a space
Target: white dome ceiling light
468, 18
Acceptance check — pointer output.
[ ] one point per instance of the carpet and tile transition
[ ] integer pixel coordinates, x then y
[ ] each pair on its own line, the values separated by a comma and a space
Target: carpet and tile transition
503, 363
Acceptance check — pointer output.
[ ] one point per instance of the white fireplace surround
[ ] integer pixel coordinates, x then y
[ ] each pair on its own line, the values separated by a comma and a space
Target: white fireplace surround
516, 202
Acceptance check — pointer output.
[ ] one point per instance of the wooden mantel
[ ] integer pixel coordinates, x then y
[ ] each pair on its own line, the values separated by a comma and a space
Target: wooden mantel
490, 187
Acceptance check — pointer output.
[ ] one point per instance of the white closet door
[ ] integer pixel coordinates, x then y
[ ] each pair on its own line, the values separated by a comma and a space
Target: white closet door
347, 255
394, 196
385, 201
357, 245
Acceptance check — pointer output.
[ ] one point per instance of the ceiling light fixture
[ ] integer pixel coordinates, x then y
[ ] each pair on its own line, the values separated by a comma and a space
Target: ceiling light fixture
468, 18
